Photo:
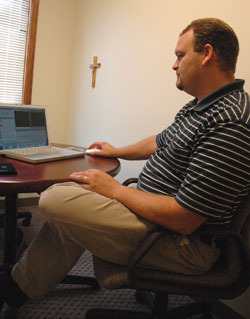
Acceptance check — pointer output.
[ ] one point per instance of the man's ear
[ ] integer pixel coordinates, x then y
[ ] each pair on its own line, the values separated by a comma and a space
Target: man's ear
208, 52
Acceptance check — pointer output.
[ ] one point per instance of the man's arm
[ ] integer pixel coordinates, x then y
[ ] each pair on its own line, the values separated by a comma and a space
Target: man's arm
159, 209
138, 151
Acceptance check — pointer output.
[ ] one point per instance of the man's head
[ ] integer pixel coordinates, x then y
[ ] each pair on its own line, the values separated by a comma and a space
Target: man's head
222, 38
206, 53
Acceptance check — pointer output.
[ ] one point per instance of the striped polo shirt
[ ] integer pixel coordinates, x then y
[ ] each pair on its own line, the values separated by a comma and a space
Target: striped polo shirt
203, 158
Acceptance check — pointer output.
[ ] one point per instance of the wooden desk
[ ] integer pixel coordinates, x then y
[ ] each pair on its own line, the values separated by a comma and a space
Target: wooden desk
35, 178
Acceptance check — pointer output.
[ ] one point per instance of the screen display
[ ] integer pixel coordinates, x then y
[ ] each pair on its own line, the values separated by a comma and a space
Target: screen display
22, 127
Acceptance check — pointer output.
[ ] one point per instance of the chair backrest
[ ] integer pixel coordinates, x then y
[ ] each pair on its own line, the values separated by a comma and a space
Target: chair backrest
246, 231
240, 220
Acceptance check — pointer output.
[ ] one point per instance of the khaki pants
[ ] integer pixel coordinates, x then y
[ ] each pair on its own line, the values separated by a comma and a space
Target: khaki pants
77, 219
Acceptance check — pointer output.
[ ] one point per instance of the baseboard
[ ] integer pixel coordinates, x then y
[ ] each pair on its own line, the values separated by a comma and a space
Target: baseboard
28, 201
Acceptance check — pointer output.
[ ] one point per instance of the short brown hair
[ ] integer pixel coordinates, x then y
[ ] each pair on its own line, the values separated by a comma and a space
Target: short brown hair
222, 38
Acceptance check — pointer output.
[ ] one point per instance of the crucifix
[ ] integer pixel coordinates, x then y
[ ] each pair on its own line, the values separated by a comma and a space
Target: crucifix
94, 67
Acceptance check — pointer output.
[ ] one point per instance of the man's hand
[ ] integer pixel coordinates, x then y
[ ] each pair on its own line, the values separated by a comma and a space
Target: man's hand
97, 181
138, 151
102, 149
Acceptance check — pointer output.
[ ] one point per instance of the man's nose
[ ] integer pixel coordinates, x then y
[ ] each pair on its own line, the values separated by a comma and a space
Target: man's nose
175, 66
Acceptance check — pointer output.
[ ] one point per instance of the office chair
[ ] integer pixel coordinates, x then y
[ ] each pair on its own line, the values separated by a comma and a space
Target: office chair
228, 278
25, 216
26, 220
20, 243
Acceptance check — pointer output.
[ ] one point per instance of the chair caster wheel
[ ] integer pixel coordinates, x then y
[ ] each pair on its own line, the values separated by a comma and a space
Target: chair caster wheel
26, 221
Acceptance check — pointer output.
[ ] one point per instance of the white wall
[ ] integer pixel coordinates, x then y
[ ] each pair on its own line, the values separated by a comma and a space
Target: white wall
135, 94
52, 63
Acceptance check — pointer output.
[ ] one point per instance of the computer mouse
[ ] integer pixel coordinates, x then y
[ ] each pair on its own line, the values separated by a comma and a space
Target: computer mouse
93, 150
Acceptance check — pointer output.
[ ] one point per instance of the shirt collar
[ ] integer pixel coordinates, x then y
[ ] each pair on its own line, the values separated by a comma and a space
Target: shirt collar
217, 95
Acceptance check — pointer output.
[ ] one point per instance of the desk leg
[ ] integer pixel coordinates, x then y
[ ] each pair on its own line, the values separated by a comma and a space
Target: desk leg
10, 229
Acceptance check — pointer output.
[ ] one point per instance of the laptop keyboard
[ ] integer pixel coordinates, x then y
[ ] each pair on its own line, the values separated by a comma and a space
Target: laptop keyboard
35, 150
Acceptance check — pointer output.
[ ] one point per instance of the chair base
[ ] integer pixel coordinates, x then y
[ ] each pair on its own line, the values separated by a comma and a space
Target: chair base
25, 216
20, 243
159, 311
81, 280
180, 313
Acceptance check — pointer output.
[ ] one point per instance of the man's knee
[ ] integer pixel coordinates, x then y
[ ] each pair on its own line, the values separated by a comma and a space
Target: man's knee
47, 198
53, 198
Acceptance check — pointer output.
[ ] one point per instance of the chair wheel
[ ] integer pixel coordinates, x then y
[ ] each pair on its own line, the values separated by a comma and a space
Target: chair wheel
26, 221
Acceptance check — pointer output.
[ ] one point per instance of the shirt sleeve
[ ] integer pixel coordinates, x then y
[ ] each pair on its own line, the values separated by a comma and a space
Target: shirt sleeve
161, 138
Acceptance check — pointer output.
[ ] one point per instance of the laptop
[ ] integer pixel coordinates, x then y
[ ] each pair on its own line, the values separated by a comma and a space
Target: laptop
24, 135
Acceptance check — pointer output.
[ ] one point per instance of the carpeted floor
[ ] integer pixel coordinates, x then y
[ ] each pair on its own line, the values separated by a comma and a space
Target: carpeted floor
72, 301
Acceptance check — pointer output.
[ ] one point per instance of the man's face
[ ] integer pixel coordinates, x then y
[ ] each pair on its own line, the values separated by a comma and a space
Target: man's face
188, 65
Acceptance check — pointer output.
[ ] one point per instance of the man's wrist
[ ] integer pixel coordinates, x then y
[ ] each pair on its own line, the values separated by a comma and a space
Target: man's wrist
118, 192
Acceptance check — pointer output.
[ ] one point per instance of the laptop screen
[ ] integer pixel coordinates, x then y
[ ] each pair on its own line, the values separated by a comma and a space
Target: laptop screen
22, 127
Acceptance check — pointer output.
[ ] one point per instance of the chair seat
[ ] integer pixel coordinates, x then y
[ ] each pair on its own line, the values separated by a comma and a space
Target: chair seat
224, 280
110, 276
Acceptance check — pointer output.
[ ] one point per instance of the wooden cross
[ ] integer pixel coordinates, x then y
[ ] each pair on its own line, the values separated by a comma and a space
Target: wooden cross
94, 66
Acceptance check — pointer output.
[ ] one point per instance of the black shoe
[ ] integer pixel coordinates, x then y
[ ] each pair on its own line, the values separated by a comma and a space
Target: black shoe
10, 293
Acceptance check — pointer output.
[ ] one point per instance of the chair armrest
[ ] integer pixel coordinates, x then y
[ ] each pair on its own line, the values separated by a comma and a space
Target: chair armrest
152, 239
145, 247
224, 234
129, 181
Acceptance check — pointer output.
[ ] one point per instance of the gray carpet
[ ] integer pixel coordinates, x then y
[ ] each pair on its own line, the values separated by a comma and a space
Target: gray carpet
72, 301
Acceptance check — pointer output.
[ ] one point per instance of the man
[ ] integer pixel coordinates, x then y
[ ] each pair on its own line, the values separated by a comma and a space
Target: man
197, 173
